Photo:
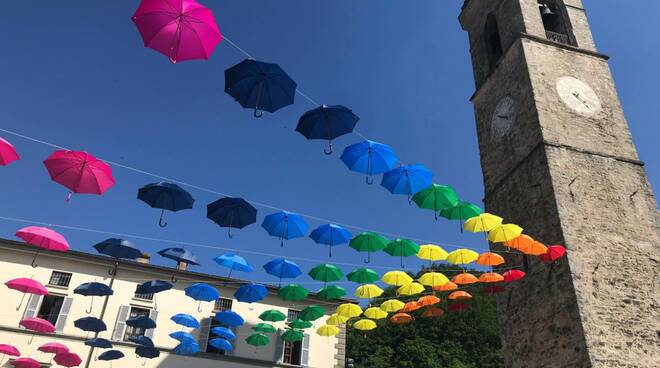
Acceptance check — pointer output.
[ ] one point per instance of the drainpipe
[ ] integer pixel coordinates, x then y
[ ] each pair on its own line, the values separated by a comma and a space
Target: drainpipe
113, 272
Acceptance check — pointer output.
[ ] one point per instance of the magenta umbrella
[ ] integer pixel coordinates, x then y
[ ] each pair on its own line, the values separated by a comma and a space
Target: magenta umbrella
68, 359
8, 153
37, 325
26, 286
25, 363
179, 29
53, 348
43, 238
80, 172
8, 350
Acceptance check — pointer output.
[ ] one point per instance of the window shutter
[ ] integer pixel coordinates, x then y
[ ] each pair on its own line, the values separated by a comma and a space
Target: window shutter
64, 314
32, 307
279, 348
305, 351
120, 325
204, 331
154, 316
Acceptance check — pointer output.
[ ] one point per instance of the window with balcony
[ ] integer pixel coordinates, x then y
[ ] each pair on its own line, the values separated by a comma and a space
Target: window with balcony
60, 279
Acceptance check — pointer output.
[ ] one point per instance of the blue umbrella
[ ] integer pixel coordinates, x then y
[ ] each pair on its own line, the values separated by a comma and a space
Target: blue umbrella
93, 289
111, 355
285, 225
153, 287
408, 180
185, 320
331, 235
233, 262
147, 352
90, 324
370, 158
260, 86
251, 293
231, 212
229, 318
142, 340
282, 268
221, 344
223, 332
180, 255
327, 122
187, 348
166, 196
202, 293
143, 322
99, 342
118, 248
183, 337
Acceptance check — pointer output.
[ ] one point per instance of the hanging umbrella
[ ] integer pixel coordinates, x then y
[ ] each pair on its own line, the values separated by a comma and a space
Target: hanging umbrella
462, 256
234, 263
370, 158
147, 352
292, 335
534, 248
39, 325
231, 213
221, 344
494, 289
436, 198
293, 292
110, 355
272, 315
179, 29
251, 293
461, 212
432, 312
520, 242
53, 348
165, 196
25, 363
464, 279
459, 295
142, 322
264, 328
335, 319
513, 275
282, 268
331, 235
300, 324
118, 248
427, 300
93, 289
187, 348
90, 324
311, 313
375, 313
180, 256
349, 310
142, 340
67, 359
408, 180
490, 259
260, 86
185, 320
202, 293
410, 289
153, 287
257, 339
327, 123
285, 225
397, 278
491, 277
8, 153
368, 242
80, 172
504, 233
482, 223
402, 248
331, 292
26, 286
433, 279
10, 350
362, 275
223, 332
553, 253
411, 306
43, 238
446, 287
458, 307
326, 272
431, 253
327, 331
392, 306
99, 342
229, 318
183, 337
401, 318
365, 325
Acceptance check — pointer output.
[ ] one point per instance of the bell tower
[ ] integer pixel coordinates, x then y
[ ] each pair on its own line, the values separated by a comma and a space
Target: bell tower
558, 159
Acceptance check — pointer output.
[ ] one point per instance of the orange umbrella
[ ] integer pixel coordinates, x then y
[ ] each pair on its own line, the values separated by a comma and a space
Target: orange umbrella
521, 241
433, 312
410, 307
491, 277
534, 248
490, 259
427, 300
465, 279
460, 295
401, 318
446, 287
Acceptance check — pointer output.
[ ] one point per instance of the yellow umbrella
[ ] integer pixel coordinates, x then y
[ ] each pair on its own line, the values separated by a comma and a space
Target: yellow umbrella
482, 223
365, 325
375, 313
336, 319
368, 291
391, 306
504, 233
433, 279
349, 310
462, 256
432, 252
411, 289
397, 278
328, 330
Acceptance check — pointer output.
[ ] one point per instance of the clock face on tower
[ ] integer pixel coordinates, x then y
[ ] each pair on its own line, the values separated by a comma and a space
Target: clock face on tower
578, 96
503, 117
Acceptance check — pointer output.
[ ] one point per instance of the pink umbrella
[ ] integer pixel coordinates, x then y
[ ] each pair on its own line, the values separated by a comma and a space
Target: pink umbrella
68, 359
8, 153
25, 363
53, 348
8, 350
26, 286
80, 172
179, 29
37, 325
43, 238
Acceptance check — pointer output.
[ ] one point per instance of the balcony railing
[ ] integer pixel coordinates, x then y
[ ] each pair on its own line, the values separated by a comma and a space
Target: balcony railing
558, 37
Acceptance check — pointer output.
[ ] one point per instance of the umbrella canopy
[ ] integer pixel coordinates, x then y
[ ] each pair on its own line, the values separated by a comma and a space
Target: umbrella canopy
223, 332
147, 352
462, 256
53, 348
365, 325
490, 277
26, 286
327, 331
459, 295
391, 306
285, 225
330, 235
311, 313
436, 198
504, 233
490, 259
37, 325
432, 253
251, 293
534, 248
10, 350
25, 363
165, 196
375, 313
282, 268
327, 123
143, 322
461, 212
231, 213
179, 255
142, 340
293, 292
264, 328
331, 292
433, 312
362, 275
187, 348
411, 306
401, 318
411, 289
179, 29
93, 289
229, 318
272, 315
257, 339
118, 248
433, 279
408, 180
185, 320
233, 262
90, 324
79, 171
8, 152
349, 310
370, 158
183, 337
153, 287
260, 86
67, 359
110, 355
402, 248
520, 241
464, 279
368, 242
446, 287
335, 319
300, 324
427, 300
99, 342
326, 272
513, 275
553, 253
368, 291
292, 335
202, 293
221, 344
397, 278
43, 238
482, 223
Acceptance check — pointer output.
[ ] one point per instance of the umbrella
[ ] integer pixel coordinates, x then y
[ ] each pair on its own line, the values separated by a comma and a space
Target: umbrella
391, 306
504, 233
409, 179
53, 348
231, 212
370, 158
143, 341
431, 253
311, 313
153, 287
432, 312
234, 263
520, 242
10, 350
491, 277
375, 313
349, 310
99, 342
433, 279
365, 325
165, 196
462, 256
142, 322
401, 318
187, 348
402, 248
221, 344
251, 293
410, 307
223, 332
203, 293
39, 325
513, 275
110, 355
459, 295
427, 300
183, 337
90, 324
285, 225
482, 223
446, 287
293, 292
8, 153
436, 198
264, 328
180, 256
331, 235
260, 86
257, 339
553, 253
328, 123
534, 248
118, 248
328, 330
147, 352
461, 212
292, 335
396, 278
326, 273
185, 320
229, 318
25, 363
368, 291
494, 289
179, 29
272, 315
67, 359
410, 289
490, 259
464, 279
368, 242
282, 268
335, 319
43, 238
331, 292
26, 286
362, 275
458, 307
80, 172
300, 324
93, 289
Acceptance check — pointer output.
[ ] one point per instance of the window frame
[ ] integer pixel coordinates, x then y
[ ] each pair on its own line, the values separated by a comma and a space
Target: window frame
50, 317
223, 304
134, 332
61, 276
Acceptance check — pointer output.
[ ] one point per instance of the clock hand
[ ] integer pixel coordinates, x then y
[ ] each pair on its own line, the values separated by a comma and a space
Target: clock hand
579, 98
503, 117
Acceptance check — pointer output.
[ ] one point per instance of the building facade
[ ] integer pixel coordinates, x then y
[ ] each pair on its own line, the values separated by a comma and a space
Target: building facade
61, 273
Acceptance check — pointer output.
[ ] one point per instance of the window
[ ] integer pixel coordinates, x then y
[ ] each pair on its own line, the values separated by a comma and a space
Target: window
555, 22
292, 315
149, 296
132, 331
293, 353
215, 323
60, 279
223, 305
50, 308
493, 41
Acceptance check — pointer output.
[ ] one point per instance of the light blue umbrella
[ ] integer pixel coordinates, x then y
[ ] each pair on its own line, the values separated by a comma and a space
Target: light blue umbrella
285, 225
221, 344
185, 320
223, 332
331, 235
370, 158
407, 180
183, 337
203, 293
233, 262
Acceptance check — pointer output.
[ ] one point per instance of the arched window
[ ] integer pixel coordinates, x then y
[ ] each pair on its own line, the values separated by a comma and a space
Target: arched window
493, 41
555, 21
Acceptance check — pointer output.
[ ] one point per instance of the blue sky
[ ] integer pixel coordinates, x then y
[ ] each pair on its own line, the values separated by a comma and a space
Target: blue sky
78, 76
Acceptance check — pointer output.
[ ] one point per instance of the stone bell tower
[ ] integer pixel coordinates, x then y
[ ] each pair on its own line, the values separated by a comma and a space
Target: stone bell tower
558, 159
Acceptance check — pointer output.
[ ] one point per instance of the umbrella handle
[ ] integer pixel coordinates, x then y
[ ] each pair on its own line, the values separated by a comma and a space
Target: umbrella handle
91, 306
21, 303
330, 251
68, 196
144, 362
161, 221
31, 338
34, 260
370, 179
258, 113
368, 259
328, 151
229, 233
199, 307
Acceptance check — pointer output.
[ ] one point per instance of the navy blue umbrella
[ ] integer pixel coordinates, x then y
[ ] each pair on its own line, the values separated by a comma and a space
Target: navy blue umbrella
203, 293
231, 212
153, 287
185, 320
179, 255
221, 344
183, 337
229, 318
370, 158
142, 322
90, 324
118, 248
111, 355
251, 293
147, 352
285, 225
142, 340
93, 289
99, 342
166, 196
327, 122
260, 86
187, 348
223, 332
331, 235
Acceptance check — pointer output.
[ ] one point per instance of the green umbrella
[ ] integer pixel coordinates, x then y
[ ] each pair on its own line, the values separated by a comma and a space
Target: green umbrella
264, 328
300, 324
272, 315
293, 292
331, 292
258, 339
461, 212
363, 276
368, 242
293, 335
402, 248
311, 313
326, 273
436, 197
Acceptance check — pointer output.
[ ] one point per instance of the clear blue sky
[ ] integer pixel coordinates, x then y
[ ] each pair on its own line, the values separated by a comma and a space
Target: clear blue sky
78, 75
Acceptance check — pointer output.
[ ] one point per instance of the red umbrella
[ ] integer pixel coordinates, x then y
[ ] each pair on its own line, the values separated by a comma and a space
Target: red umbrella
53, 348
37, 325
8, 153
554, 253
513, 275
179, 29
458, 307
80, 172
68, 359
25, 363
494, 289
43, 238
26, 286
